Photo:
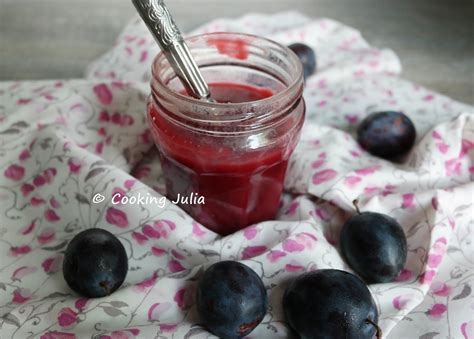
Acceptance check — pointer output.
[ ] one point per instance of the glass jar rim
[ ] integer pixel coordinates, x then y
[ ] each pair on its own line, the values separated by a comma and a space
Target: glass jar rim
291, 87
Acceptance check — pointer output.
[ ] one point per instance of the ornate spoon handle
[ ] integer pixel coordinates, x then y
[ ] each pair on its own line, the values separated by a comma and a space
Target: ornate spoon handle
159, 21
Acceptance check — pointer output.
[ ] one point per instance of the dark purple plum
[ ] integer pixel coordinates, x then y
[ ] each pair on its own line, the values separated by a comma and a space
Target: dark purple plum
388, 135
307, 56
374, 245
231, 299
95, 263
330, 304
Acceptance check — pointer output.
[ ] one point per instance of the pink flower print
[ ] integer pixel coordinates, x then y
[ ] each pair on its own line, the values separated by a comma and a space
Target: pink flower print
407, 200
427, 277
118, 193
466, 147
104, 116
19, 250
74, 165
145, 284
442, 147
139, 238
49, 174
21, 295
25, 154
141, 172
99, 147
401, 301
198, 231
26, 189
29, 228
39, 180
81, 304
128, 184
404, 275
23, 271
435, 203
150, 232
437, 311
122, 119
294, 267
36, 201
54, 203
47, 235
253, 251
323, 176
127, 120
452, 167
323, 214
355, 154
14, 172
436, 135
156, 251
58, 335
440, 289
168, 328
143, 56
434, 260
352, 181
23, 101
292, 208
51, 215
116, 217
182, 298
67, 317
318, 163
250, 232
116, 118
175, 266
351, 119
467, 330
367, 170
428, 97
103, 93
146, 137
274, 256
307, 239
157, 310
52, 264
291, 246
371, 189
163, 227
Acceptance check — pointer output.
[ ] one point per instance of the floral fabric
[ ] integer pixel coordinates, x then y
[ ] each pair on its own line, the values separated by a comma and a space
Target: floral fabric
62, 142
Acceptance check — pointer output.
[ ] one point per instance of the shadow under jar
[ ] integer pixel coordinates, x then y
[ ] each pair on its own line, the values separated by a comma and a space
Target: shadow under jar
233, 152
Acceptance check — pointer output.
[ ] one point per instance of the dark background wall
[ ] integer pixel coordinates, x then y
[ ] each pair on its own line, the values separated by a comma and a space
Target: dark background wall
56, 38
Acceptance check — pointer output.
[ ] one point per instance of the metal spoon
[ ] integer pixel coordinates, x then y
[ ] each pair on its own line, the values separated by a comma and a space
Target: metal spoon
159, 21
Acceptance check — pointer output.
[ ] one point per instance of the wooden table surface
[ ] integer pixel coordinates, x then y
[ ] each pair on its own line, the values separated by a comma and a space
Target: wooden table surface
52, 39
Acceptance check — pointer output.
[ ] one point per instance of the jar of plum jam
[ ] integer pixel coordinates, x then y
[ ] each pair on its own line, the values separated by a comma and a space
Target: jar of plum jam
233, 152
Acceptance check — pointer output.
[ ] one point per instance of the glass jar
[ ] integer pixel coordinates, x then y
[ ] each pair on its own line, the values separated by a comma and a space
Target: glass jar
233, 153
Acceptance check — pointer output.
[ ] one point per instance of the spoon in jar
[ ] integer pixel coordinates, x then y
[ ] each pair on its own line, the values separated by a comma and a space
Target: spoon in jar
159, 21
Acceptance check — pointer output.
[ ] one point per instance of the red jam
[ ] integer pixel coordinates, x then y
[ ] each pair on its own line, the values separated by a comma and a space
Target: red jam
232, 153
239, 189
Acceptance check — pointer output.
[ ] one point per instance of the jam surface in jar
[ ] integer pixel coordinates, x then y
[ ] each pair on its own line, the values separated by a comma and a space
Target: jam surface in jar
239, 188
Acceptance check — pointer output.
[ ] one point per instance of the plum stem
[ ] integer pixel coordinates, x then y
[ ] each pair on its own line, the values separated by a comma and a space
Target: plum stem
355, 202
378, 333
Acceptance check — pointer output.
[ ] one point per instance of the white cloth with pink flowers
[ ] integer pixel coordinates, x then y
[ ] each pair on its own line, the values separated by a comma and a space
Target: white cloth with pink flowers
62, 142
